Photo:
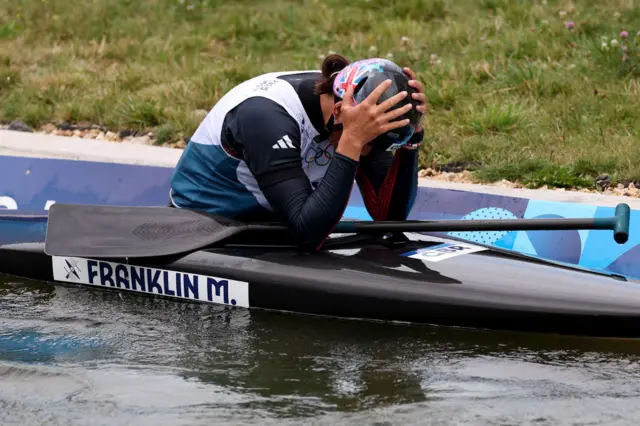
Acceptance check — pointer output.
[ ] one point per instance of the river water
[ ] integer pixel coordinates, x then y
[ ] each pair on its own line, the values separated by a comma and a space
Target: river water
79, 356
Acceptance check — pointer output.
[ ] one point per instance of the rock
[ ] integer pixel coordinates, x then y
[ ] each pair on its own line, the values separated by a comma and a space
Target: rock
442, 176
85, 127
100, 136
428, 172
66, 126
77, 133
632, 191
141, 140
466, 176
48, 128
618, 190
603, 182
126, 132
111, 136
19, 126
458, 177
625, 182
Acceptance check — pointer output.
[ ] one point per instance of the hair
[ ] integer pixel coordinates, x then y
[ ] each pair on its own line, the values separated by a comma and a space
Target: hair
331, 65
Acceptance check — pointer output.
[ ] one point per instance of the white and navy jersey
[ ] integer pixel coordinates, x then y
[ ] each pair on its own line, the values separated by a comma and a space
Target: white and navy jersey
263, 153
213, 173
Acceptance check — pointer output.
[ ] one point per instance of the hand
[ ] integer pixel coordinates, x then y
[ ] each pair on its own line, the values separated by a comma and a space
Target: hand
364, 122
419, 96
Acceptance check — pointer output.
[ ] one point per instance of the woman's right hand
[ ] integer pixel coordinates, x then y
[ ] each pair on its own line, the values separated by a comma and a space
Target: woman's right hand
364, 122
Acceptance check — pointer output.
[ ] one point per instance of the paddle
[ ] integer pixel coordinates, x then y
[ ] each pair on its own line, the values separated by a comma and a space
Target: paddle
145, 232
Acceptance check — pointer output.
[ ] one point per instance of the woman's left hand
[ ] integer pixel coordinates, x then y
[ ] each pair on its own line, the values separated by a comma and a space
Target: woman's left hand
419, 96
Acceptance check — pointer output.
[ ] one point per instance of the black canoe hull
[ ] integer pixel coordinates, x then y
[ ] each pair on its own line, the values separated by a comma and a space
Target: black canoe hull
488, 289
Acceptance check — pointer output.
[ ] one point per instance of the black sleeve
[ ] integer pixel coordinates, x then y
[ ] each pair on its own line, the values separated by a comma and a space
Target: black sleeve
388, 183
312, 214
270, 140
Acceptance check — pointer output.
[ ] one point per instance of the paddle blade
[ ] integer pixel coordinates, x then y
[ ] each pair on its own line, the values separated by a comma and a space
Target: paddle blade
137, 232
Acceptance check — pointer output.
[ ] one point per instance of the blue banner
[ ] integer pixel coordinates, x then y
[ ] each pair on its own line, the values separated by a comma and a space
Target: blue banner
33, 184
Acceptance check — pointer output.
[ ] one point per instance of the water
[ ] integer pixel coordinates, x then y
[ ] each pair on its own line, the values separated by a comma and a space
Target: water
79, 356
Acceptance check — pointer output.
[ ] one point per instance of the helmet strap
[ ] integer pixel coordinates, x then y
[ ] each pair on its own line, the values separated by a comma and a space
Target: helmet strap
330, 126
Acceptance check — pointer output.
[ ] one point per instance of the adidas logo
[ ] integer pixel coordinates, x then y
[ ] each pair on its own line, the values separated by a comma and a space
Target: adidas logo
283, 143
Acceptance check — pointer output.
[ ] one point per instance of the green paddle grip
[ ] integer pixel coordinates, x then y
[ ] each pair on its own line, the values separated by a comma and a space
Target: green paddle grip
621, 223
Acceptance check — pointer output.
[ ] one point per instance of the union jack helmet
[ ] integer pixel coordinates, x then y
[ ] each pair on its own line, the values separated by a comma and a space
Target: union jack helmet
365, 75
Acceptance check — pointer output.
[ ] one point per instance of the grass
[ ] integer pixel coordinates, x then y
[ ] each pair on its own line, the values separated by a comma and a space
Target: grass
511, 89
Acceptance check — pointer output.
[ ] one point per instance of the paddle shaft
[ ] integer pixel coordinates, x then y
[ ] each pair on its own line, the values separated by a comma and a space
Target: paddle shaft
476, 225
619, 224
349, 227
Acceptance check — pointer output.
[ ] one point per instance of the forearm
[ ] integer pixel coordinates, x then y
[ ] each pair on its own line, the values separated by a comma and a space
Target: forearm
312, 214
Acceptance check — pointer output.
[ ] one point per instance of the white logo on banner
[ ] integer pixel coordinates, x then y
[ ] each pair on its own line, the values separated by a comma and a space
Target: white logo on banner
445, 251
8, 203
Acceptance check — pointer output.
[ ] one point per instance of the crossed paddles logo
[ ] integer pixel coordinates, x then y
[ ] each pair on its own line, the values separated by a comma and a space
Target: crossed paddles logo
72, 268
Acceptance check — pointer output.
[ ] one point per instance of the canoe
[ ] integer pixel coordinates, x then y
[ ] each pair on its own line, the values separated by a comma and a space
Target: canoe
407, 277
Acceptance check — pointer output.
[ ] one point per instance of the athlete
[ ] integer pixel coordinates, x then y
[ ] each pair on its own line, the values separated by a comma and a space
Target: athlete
287, 147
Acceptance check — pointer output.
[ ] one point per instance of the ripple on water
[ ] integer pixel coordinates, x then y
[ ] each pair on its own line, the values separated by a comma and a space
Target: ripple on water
109, 395
73, 356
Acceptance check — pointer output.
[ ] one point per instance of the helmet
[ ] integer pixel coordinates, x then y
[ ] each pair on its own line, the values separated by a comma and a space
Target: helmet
366, 75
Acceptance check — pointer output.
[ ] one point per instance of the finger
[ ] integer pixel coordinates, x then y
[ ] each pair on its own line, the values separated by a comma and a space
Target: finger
373, 97
420, 97
395, 125
393, 114
347, 97
422, 109
416, 85
386, 105
410, 73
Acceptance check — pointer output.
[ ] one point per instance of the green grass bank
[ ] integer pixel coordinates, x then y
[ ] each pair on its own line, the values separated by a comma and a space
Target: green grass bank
541, 92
